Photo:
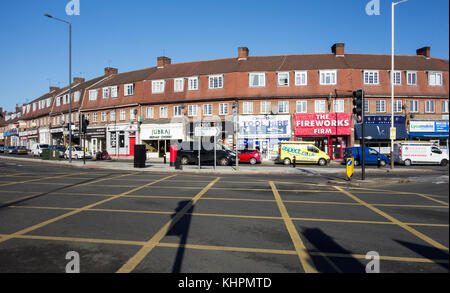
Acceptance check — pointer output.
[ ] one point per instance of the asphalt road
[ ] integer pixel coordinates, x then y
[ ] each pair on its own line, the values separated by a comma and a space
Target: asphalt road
162, 223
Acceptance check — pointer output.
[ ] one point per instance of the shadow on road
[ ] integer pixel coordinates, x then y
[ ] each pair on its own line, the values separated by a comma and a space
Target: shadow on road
428, 252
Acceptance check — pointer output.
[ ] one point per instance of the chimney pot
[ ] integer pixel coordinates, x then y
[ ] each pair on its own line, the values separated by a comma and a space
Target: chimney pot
425, 51
242, 53
338, 49
78, 80
163, 61
53, 88
110, 71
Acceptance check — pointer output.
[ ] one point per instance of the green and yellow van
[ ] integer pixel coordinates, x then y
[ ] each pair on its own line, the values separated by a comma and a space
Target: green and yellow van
303, 151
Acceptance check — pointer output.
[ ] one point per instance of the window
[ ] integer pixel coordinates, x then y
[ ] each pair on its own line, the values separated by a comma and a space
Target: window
320, 106
193, 83
411, 78
92, 95
163, 112
122, 115
58, 101
157, 86
397, 106
34, 107
413, 106
207, 109
149, 112
76, 97
283, 107
434, 78
397, 78
223, 109
301, 106
112, 116
247, 107
371, 77
381, 106
257, 79
105, 92
216, 81
104, 116
429, 107
114, 91
283, 78
177, 111
132, 114
366, 106
265, 107
328, 77
178, 84
444, 106
129, 89
338, 106
301, 78
192, 110
94, 117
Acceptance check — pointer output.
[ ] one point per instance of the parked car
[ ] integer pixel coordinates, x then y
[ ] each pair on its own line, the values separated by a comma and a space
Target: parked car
77, 153
36, 149
250, 156
21, 150
409, 153
303, 151
2, 148
61, 149
188, 154
371, 156
10, 150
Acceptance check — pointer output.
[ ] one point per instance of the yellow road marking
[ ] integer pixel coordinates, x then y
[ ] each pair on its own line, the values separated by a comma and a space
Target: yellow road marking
32, 180
300, 248
131, 264
40, 225
394, 220
393, 192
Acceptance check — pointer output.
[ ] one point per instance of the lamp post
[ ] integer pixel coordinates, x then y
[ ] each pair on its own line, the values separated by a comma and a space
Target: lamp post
392, 77
70, 82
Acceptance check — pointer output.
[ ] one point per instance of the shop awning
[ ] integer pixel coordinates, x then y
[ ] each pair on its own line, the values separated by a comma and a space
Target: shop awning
380, 131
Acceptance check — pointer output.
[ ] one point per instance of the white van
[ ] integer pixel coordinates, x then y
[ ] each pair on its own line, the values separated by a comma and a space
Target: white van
408, 153
36, 149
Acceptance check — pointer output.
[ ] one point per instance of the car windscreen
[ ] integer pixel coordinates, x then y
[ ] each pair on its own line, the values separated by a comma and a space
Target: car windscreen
77, 149
44, 146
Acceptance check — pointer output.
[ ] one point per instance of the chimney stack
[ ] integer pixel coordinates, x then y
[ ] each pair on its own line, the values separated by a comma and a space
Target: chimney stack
338, 49
54, 88
242, 53
425, 52
78, 80
110, 71
163, 61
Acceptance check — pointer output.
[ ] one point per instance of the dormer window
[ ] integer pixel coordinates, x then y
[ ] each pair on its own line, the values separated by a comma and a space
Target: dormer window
216, 81
371, 77
328, 77
257, 79
434, 78
158, 86
283, 78
129, 89
93, 95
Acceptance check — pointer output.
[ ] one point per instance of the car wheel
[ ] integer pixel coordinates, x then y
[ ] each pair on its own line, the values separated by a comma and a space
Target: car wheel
224, 162
322, 162
444, 163
287, 161
76, 157
407, 162
253, 161
184, 161
382, 163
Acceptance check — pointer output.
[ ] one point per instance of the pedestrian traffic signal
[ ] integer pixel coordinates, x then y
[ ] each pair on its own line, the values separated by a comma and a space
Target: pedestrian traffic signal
84, 123
358, 101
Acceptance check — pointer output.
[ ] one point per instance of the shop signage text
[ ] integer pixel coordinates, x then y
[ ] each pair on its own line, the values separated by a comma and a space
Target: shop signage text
323, 124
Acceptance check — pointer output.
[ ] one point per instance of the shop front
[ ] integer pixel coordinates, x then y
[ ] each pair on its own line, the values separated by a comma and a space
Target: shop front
330, 132
436, 131
28, 138
11, 138
264, 133
96, 139
121, 139
157, 137
44, 136
57, 136
377, 131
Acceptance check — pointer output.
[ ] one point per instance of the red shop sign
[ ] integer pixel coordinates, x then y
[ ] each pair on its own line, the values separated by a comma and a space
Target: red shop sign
323, 124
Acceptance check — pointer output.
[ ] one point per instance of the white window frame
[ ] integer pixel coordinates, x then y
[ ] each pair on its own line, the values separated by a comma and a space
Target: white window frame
150, 112
94, 117
444, 106
104, 117
158, 86
380, 106
301, 78
122, 115
163, 112
177, 111
178, 85
281, 105
215, 81
260, 77
398, 106
247, 108
207, 109
371, 77
280, 81
318, 105
435, 81
328, 74
415, 108
112, 115
409, 77
105, 94
339, 106
58, 102
263, 107
128, 89
93, 95
222, 107
397, 77
114, 91
428, 103
366, 106
193, 83
192, 110
76, 96
301, 106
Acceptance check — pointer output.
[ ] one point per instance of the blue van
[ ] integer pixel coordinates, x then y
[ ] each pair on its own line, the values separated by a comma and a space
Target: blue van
371, 156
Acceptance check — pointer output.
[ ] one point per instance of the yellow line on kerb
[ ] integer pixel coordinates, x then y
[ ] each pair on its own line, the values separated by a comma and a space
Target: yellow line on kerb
133, 262
300, 248
394, 220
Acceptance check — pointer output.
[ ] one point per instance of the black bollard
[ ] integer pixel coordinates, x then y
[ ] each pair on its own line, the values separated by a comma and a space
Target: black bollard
164, 156
378, 162
294, 162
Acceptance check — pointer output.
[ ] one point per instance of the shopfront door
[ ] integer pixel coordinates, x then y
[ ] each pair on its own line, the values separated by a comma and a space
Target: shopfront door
132, 143
337, 148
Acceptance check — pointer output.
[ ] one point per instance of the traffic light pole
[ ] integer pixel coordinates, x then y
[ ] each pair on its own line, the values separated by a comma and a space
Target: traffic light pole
363, 142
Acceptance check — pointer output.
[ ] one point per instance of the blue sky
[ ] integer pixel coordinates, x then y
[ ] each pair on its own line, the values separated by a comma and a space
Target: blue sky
131, 34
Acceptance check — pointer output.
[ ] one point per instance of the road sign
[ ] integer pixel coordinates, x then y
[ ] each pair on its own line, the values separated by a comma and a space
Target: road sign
350, 167
206, 131
393, 133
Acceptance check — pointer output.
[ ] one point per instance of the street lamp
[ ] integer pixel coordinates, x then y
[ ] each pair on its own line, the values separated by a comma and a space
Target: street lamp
70, 82
392, 79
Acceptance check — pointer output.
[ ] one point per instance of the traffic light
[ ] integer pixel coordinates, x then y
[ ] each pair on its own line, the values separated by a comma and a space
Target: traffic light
358, 101
84, 123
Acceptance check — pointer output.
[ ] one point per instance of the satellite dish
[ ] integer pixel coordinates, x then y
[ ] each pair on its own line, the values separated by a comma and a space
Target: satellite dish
275, 110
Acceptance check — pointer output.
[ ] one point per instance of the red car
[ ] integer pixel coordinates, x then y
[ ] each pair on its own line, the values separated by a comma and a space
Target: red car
251, 156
